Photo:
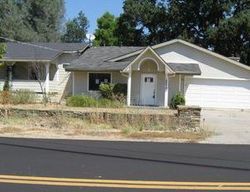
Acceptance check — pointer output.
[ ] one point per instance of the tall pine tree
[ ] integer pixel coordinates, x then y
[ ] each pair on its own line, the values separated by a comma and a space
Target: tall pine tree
105, 33
29, 20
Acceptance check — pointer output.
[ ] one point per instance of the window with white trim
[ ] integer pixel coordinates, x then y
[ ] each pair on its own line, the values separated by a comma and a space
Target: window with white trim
95, 79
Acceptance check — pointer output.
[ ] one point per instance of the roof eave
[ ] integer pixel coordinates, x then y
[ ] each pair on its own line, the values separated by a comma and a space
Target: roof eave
25, 60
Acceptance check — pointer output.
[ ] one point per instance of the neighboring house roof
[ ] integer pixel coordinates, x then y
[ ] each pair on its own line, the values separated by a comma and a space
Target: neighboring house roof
39, 51
98, 58
65, 47
187, 68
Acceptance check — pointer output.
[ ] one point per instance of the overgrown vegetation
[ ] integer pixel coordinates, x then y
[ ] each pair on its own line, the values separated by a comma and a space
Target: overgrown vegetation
113, 96
178, 99
87, 101
60, 124
113, 91
17, 97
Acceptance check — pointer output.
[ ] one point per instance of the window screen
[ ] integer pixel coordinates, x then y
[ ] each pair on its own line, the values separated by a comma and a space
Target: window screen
95, 79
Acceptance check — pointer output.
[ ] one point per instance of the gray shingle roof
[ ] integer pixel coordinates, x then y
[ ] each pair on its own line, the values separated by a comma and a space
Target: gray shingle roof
97, 58
185, 68
38, 51
64, 46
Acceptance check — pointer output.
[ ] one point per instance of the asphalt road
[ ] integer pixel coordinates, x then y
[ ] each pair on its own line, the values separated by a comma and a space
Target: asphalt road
119, 161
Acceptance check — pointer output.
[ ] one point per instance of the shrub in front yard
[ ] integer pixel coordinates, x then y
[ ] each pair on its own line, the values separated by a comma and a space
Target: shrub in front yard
81, 101
86, 101
113, 91
120, 89
107, 103
176, 100
106, 90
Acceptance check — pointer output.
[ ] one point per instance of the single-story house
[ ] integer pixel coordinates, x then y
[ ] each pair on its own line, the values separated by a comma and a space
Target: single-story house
21, 60
154, 74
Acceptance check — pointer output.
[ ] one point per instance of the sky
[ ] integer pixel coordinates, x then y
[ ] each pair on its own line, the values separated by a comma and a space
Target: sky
93, 9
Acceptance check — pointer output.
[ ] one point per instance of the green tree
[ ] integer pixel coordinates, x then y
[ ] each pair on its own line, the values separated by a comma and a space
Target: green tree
222, 25
76, 29
105, 33
12, 22
141, 23
29, 20
44, 17
232, 36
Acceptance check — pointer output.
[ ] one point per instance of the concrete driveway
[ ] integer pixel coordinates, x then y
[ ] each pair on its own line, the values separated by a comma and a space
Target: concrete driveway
231, 126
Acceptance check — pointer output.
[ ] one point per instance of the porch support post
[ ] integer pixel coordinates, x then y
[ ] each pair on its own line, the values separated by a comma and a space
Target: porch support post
57, 73
179, 83
166, 89
9, 75
129, 88
73, 83
47, 77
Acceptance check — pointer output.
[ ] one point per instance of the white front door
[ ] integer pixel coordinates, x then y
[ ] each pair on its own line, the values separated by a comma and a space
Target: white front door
148, 89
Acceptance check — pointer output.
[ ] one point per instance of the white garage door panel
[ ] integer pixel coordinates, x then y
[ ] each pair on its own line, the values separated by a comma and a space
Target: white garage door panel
217, 93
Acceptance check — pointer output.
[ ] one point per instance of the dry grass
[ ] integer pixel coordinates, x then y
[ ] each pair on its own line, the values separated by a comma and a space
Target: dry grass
130, 110
10, 130
191, 137
60, 126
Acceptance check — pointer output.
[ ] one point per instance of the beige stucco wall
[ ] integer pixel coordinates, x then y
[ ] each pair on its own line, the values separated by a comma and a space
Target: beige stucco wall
135, 87
117, 77
160, 95
210, 66
173, 87
80, 83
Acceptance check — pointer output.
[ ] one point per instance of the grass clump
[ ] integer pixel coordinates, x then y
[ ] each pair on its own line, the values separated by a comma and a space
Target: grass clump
17, 97
23, 97
87, 101
81, 101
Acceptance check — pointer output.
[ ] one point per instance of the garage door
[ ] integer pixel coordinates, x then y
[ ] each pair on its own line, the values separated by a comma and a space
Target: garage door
217, 93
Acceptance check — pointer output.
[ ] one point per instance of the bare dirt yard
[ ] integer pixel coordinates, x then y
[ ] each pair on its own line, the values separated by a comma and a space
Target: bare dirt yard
32, 125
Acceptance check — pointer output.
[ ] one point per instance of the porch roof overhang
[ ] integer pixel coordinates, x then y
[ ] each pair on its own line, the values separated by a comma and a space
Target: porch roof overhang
185, 68
97, 66
141, 55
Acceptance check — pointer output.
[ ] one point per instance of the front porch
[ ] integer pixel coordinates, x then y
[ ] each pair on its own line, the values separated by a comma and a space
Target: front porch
151, 82
36, 77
